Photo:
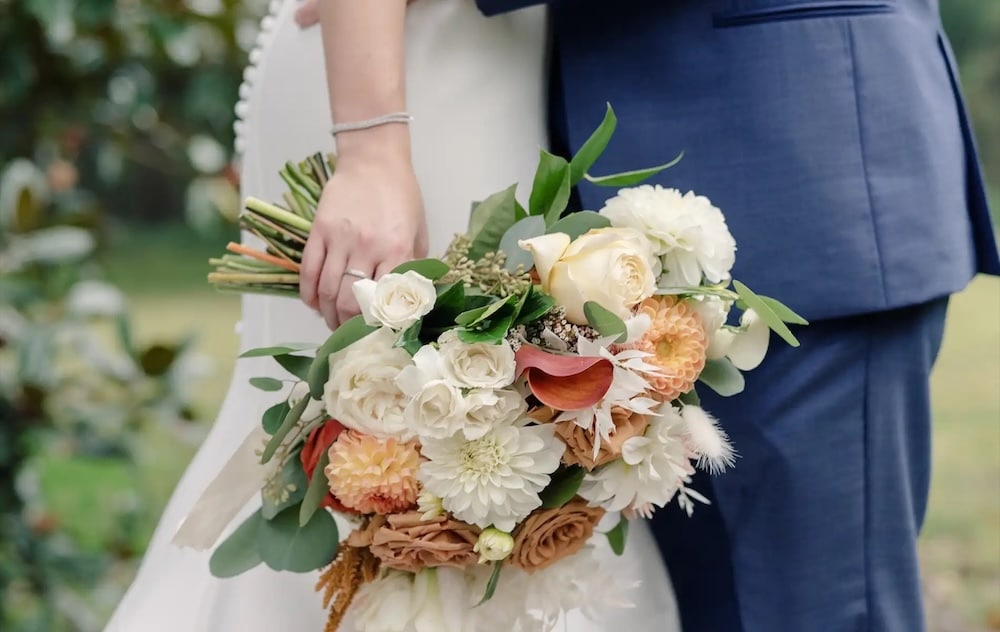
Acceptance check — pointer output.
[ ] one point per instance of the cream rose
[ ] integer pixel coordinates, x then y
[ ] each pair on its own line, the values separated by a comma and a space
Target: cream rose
396, 300
478, 365
614, 267
362, 393
487, 408
437, 411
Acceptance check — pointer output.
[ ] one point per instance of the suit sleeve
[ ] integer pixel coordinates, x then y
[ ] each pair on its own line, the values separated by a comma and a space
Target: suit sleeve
494, 7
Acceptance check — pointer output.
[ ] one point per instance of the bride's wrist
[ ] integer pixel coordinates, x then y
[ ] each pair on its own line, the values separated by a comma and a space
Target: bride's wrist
385, 143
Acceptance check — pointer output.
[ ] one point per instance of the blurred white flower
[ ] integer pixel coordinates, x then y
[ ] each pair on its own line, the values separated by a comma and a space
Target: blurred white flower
494, 480
688, 233
95, 298
19, 178
433, 600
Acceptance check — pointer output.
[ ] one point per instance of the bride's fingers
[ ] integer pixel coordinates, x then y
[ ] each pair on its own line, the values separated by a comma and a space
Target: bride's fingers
347, 303
330, 283
307, 15
313, 256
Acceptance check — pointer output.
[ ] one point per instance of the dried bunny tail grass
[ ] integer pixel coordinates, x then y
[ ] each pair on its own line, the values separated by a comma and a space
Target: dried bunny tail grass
352, 568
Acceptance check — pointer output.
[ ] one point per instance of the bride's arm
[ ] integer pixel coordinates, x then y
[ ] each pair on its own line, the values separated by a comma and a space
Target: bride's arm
370, 216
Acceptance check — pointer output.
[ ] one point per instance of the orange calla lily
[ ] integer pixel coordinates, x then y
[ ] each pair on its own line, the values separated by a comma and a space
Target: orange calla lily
565, 382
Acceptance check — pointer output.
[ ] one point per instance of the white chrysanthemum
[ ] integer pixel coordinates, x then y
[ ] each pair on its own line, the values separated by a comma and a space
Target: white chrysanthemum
651, 469
715, 453
362, 392
493, 480
688, 233
433, 600
479, 365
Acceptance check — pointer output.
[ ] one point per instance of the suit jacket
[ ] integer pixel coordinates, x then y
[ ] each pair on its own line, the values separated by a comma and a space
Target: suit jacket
831, 133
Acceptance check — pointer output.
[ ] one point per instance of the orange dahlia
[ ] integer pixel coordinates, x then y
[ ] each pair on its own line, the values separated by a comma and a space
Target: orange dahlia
373, 475
677, 341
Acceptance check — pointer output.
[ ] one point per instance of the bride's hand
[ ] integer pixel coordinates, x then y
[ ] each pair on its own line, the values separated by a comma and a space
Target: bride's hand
369, 220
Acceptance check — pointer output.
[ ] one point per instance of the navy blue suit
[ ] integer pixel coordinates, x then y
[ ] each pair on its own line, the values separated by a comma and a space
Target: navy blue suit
833, 136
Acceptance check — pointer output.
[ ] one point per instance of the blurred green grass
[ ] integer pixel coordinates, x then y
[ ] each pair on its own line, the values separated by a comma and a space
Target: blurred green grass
163, 272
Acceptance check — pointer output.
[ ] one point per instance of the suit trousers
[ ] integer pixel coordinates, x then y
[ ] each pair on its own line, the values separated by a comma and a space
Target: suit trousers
815, 528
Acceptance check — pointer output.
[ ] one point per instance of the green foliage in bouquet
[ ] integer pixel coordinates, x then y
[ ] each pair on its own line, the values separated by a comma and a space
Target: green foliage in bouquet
76, 394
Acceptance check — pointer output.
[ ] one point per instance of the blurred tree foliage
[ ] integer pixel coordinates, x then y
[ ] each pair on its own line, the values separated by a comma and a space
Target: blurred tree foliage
974, 29
137, 94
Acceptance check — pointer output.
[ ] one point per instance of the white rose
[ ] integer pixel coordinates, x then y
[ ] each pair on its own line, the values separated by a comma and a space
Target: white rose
478, 365
437, 411
614, 267
688, 233
487, 408
396, 300
362, 392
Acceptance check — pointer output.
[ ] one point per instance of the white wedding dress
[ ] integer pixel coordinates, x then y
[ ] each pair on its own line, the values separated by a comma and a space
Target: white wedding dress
475, 87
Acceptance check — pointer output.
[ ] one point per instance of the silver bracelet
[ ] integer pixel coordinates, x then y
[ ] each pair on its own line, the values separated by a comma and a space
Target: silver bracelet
385, 119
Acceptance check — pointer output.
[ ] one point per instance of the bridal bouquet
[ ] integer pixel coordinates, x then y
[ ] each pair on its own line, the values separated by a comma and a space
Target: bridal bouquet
488, 410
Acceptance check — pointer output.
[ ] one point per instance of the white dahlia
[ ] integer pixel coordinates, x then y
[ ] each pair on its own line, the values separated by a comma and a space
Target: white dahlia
494, 480
688, 233
652, 468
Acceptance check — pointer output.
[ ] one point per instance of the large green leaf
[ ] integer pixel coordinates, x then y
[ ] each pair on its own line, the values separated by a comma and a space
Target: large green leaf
576, 224
432, 269
618, 536
722, 377
783, 311
551, 188
293, 479
766, 314
317, 490
285, 545
531, 226
631, 178
499, 214
292, 418
295, 364
564, 486
347, 334
605, 322
239, 552
594, 146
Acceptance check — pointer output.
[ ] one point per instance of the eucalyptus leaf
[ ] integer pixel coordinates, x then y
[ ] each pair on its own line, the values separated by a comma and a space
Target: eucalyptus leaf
292, 418
285, 545
491, 585
618, 536
316, 491
273, 417
432, 269
766, 314
606, 323
782, 311
551, 188
293, 480
576, 224
531, 226
239, 552
498, 213
294, 364
276, 350
631, 178
347, 334
722, 377
564, 486
266, 383
594, 146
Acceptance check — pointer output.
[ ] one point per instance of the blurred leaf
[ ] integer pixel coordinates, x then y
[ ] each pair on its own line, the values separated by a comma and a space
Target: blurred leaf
157, 359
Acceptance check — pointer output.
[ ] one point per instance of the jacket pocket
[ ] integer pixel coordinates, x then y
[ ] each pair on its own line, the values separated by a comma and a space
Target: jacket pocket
800, 11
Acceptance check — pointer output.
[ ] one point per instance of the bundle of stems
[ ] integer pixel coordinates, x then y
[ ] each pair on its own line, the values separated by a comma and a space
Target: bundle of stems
282, 229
